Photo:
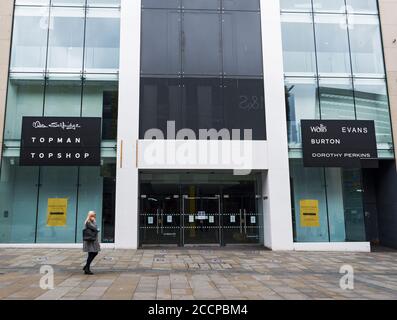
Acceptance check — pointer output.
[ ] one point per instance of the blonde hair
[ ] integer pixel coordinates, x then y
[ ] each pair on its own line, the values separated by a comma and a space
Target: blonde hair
89, 215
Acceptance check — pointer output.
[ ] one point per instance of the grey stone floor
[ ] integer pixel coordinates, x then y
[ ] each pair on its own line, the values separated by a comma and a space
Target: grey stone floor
197, 274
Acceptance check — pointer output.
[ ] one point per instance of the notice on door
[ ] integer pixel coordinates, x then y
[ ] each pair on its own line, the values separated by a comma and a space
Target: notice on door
57, 212
309, 213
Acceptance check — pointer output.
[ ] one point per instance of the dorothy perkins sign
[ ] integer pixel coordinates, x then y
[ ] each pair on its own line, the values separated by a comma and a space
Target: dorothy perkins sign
339, 143
60, 141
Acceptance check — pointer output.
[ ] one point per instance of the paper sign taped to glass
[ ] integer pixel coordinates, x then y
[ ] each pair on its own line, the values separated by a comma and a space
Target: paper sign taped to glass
57, 212
309, 213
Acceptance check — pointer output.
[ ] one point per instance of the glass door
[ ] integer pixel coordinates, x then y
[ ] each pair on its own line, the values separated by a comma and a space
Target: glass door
201, 220
159, 219
240, 217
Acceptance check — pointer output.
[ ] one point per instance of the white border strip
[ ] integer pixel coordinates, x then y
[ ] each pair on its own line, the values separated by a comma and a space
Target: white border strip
51, 246
333, 246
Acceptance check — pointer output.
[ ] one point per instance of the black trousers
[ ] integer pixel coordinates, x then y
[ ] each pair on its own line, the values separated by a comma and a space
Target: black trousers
90, 258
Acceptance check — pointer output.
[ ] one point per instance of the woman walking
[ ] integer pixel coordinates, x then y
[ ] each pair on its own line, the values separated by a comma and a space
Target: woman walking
90, 240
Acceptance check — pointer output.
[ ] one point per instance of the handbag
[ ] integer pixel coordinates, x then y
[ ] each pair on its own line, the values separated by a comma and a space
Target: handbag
89, 234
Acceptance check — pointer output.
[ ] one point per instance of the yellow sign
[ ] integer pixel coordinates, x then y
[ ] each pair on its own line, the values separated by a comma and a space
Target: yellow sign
309, 212
57, 212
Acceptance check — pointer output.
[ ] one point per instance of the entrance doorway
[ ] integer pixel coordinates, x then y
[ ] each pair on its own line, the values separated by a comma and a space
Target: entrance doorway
199, 209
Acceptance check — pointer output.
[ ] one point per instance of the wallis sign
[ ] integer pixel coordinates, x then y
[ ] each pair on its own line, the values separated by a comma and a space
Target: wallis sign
60, 141
339, 143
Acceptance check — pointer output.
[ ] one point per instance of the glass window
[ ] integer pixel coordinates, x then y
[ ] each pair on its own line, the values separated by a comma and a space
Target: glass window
161, 45
241, 5
50, 189
202, 104
372, 104
18, 202
63, 98
201, 4
353, 205
296, 5
362, 6
90, 197
172, 4
202, 40
302, 103
29, 43
308, 184
329, 6
332, 43
32, 2
242, 44
103, 3
366, 46
68, 3
25, 98
336, 99
338, 193
160, 102
102, 40
65, 51
244, 106
298, 44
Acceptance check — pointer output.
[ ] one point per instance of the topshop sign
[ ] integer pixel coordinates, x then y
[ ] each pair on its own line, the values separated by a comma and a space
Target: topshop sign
60, 141
339, 143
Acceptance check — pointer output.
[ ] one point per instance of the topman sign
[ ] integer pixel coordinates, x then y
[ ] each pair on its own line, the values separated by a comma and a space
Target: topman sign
339, 143
60, 141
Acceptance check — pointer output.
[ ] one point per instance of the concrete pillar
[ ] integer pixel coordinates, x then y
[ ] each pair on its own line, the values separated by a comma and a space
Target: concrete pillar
6, 18
388, 17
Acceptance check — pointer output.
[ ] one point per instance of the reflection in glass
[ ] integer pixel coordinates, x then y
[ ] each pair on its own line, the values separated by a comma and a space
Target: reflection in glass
160, 44
65, 47
366, 46
201, 38
51, 188
332, 45
372, 104
18, 201
302, 103
160, 101
29, 43
102, 40
336, 99
25, 98
362, 6
296, 5
63, 98
242, 49
329, 6
298, 44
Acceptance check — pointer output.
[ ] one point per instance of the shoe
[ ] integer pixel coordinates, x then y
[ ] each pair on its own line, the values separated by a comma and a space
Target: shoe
86, 271
84, 268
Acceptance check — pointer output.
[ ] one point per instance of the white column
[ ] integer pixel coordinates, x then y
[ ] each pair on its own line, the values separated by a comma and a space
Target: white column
277, 203
126, 233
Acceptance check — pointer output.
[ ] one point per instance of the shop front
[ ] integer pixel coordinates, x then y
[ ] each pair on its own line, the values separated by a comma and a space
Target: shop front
200, 208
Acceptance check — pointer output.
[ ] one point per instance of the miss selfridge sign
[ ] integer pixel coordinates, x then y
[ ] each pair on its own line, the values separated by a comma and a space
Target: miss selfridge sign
339, 143
60, 141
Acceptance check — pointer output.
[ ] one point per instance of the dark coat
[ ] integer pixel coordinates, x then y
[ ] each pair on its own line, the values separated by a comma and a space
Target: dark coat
91, 246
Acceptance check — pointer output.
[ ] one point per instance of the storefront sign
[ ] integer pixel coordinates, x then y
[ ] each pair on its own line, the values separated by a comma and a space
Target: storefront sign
339, 143
57, 209
60, 141
309, 213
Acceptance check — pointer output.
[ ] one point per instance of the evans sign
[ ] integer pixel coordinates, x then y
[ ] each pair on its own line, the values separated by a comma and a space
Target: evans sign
60, 141
339, 143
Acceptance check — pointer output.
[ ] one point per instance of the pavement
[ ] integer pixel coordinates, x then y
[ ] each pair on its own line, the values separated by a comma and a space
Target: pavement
206, 273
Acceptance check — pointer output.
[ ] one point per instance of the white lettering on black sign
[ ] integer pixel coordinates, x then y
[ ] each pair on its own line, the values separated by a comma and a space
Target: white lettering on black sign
50, 141
339, 143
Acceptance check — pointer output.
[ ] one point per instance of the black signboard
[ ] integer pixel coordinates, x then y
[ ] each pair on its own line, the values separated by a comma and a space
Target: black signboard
60, 141
339, 143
